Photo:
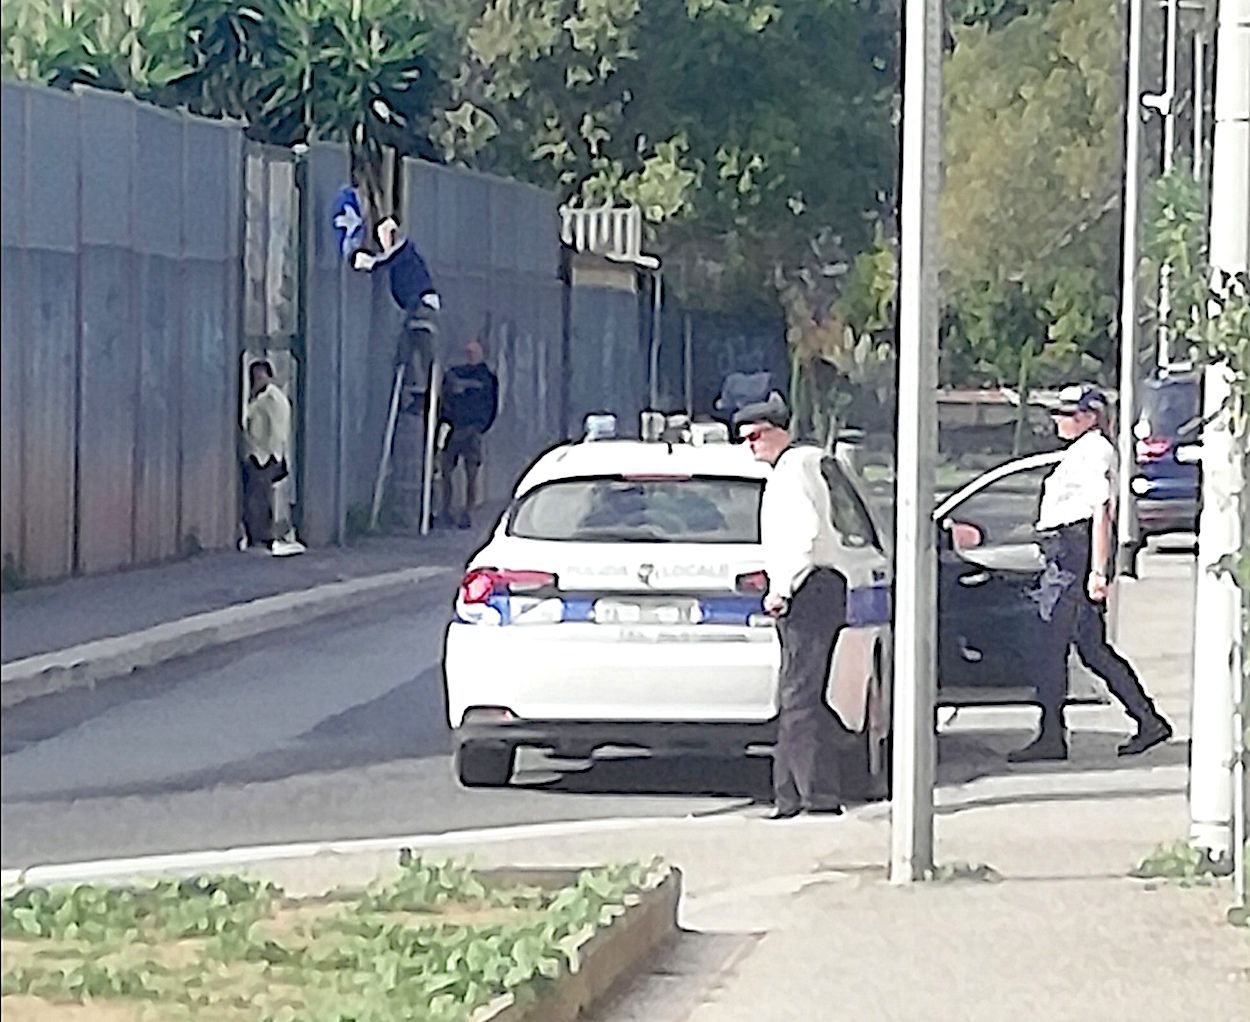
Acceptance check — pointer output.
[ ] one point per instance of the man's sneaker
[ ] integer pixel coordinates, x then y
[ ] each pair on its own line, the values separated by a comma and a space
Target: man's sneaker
1049, 746
1150, 733
287, 548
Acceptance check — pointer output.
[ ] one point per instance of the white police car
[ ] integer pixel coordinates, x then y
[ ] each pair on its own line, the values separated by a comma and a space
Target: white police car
619, 603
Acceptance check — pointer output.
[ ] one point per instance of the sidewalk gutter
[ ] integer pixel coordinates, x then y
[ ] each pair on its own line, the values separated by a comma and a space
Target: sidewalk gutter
83, 665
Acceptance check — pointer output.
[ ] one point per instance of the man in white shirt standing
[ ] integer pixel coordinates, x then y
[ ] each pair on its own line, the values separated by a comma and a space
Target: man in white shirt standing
267, 433
808, 599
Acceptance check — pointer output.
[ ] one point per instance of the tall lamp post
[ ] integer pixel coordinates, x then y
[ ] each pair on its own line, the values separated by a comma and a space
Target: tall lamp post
1126, 519
915, 629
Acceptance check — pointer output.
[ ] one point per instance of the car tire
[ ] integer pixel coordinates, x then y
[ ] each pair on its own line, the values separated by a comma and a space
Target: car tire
484, 764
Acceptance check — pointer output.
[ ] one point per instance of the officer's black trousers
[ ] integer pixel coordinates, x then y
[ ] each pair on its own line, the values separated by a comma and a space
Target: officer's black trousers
805, 767
1070, 617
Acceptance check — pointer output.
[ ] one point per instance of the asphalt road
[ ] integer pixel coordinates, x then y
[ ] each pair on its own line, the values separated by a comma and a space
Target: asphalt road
332, 730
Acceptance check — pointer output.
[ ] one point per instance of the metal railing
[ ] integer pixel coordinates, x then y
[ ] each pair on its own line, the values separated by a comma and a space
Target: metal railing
612, 231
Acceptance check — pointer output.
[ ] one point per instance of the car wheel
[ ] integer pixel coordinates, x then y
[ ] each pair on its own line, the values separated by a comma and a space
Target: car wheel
484, 764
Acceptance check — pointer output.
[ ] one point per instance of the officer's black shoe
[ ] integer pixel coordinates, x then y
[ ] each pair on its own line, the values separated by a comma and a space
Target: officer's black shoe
824, 809
1150, 733
785, 814
1049, 746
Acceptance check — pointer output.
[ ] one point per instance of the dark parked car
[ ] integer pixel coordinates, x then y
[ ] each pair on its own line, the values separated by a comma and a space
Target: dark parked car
1166, 489
988, 555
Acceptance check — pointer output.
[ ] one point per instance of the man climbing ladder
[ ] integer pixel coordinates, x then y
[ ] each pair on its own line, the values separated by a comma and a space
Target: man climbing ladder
412, 288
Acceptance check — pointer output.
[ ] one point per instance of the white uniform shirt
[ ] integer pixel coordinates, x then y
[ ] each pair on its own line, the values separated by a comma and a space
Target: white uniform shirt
267, 425
796, 521
1080, 484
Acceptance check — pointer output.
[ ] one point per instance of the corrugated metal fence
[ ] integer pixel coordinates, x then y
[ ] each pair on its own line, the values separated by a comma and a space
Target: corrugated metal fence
121, 242
147, 254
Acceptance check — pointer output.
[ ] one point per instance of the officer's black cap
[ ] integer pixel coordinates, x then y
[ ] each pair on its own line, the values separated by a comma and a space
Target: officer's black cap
774, 412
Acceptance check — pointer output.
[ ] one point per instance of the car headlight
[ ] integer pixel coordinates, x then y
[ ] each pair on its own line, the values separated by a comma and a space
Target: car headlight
1140, 486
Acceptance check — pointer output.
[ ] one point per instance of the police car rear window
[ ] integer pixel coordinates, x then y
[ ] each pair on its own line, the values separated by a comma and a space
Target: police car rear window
615, 509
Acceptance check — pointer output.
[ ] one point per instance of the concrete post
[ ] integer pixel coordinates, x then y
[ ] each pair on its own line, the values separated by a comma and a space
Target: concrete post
1217, 620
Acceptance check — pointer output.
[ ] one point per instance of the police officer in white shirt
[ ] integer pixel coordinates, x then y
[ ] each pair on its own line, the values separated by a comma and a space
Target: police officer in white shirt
1074, 522
808, 599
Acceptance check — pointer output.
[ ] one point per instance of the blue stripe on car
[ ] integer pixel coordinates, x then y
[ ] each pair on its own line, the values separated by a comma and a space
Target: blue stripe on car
579, 608
864, 606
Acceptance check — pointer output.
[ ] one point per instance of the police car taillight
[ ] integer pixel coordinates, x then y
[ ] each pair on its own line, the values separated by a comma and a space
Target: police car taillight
480, 584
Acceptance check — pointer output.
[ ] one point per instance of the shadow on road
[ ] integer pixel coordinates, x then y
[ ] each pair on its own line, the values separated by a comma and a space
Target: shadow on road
748, 778
962, 759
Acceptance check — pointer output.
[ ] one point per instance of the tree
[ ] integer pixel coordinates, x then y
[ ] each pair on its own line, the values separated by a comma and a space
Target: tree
1030, 210
317, 70
741, 128
108, 44
758, 139
840, 327
353, 71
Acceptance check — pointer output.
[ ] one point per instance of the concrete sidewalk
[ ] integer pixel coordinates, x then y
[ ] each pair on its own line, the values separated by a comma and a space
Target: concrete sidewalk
794, 920
83, 630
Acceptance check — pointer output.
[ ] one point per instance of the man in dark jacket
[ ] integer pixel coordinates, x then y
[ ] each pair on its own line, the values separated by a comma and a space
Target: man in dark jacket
469, 405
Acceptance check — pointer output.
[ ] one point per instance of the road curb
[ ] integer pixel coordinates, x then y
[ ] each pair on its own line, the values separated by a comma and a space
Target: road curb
249, 857
83, 665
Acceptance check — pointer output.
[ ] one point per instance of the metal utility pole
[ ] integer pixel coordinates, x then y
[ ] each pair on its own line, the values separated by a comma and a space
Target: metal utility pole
653, 356
1217, 603
1200, 103
915, 584
688, 362
1167, 103
1126, 520
1169, 97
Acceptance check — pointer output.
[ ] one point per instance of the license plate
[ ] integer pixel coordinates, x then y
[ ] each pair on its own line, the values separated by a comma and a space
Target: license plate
691, 635
671, 612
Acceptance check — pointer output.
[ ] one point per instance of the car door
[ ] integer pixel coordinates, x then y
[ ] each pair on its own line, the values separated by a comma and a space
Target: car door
988, 556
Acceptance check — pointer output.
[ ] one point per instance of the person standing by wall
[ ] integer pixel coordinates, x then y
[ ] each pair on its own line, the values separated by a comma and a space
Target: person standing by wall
470, 403
808, 599
1074, 522
267, 437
